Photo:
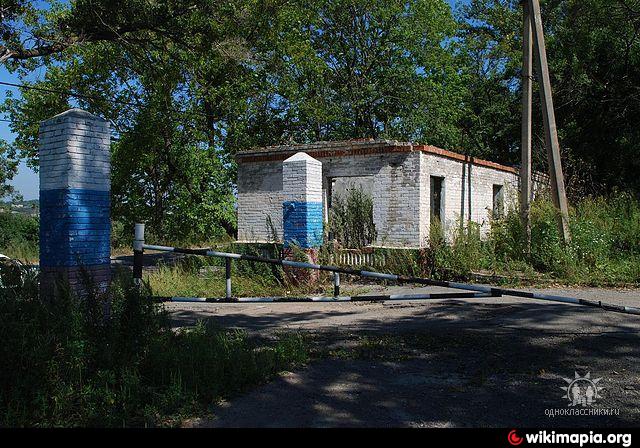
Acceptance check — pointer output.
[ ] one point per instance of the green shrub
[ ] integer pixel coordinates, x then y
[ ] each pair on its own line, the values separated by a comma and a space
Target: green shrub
121, 235
16, 227
507, 239
19, 236
604, 248
114, 361
351, 219
548, 253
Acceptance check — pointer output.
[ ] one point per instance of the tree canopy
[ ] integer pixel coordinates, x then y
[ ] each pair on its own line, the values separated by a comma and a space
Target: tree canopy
188, 83
593, 48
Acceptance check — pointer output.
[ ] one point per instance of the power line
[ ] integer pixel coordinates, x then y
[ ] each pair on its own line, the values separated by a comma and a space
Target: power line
65, 92
83, 96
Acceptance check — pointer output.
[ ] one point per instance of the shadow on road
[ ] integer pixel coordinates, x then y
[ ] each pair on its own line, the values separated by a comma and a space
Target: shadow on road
399, 317
442, 364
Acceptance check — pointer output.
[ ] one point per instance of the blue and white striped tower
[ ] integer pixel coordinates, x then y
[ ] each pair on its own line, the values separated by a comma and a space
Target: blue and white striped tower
75, 185
302, 205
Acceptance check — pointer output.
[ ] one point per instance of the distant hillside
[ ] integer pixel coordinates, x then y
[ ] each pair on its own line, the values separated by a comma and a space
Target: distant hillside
31, 207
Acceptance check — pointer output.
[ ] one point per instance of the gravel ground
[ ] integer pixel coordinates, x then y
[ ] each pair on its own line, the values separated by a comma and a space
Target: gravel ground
463, 363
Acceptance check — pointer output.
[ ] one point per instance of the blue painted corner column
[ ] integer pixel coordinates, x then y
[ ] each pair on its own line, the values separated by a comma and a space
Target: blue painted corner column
75, 186
302, 205
302, 213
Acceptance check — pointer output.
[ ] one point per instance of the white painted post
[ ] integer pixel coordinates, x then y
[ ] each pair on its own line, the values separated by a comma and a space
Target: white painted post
302, 206
138, 254
302, 211
227, 270
75, 188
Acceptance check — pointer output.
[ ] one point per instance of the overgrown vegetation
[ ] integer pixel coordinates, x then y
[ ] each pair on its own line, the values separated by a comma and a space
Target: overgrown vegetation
604, 249
71, 363
351, 219
19, 236
196, 276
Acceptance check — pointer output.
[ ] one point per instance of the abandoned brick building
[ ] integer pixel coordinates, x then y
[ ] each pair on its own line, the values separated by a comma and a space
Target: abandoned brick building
410, 185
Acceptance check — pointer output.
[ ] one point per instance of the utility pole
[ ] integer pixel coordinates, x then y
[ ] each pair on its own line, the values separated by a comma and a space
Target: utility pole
558, 194
527, 93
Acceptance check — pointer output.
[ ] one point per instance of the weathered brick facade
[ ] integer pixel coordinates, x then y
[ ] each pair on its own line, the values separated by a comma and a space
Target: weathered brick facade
75, 183
401, 187
302, 205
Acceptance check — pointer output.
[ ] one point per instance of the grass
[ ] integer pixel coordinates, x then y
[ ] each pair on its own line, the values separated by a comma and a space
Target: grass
26, 252
604, 251
71, 363
196, 276
185, 281
19, 236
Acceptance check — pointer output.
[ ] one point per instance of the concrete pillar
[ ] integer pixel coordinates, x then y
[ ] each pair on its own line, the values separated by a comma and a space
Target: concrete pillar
75, 186
302, 211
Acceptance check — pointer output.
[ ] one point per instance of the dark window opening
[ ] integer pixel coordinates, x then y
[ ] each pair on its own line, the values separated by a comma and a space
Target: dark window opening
498, 202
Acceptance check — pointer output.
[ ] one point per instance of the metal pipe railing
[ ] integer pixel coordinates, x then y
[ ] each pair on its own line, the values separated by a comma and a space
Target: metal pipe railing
362, 298
473, 291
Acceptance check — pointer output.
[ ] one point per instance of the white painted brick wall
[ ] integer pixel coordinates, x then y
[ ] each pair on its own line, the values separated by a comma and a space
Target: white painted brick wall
401, 194
456, 192
396, 202
302, 178
260, 198
74, 152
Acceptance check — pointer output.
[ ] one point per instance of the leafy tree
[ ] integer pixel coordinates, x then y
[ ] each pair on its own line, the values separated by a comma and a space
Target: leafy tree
489, 52
364, 68
170, 76
8, 169
593, 47
187, 84
595, 56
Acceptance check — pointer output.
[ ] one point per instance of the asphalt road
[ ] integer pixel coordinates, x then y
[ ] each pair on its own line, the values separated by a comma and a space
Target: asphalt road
465, 362
420, 315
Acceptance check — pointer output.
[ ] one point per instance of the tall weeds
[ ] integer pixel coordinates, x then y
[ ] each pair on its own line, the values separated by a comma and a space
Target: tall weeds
604, 248
67, 363
351, 219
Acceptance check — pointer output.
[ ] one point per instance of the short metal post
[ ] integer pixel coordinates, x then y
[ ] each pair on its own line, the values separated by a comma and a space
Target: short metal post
336, 284
227, 266
138, 254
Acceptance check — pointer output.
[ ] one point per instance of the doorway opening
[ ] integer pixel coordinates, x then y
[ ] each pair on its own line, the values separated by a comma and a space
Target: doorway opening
437, 199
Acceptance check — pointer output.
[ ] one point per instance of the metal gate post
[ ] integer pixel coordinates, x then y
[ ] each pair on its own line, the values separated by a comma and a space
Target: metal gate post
227, 269
138, 254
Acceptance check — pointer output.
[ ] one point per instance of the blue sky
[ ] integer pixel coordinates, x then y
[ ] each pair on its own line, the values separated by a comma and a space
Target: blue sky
26, 181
